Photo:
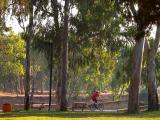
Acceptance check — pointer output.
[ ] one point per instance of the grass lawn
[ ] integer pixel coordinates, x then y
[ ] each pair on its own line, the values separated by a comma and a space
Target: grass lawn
45, 115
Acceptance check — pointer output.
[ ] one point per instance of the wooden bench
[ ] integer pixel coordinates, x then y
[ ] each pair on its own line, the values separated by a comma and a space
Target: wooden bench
79, 105
37, 105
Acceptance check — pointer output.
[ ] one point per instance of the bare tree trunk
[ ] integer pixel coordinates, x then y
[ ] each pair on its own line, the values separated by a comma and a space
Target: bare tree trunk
28, 42
133, 103
54, 4
41, 85
64, 67
51, 67
63, 83
17, 86
21, 85
4, 87
27, 81
32, 92
58, 87
151, 77
59, 80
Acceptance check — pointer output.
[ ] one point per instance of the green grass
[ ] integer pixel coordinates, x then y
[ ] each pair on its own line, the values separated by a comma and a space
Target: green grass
45, 115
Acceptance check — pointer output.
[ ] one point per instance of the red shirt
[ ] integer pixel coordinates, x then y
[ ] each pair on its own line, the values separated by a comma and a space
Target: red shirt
94, 96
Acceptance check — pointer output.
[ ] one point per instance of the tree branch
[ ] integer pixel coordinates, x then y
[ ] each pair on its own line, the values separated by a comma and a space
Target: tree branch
132, 8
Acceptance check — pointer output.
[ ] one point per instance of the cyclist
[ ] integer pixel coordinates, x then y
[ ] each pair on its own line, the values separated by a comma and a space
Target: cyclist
94, 97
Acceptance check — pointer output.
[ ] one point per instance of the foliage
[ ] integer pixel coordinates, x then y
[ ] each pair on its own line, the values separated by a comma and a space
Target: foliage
141, 13
12, 55
122, 73
97, 58
97, 21
39, 70
3, 14
94, 75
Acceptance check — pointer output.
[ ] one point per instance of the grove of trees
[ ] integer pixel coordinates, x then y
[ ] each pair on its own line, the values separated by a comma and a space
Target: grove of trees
75, 46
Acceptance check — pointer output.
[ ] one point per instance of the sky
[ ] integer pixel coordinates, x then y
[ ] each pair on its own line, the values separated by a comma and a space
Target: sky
13, 23
17, 29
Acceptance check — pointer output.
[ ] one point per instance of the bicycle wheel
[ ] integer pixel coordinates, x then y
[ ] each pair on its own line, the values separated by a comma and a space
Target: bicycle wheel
92, 107
100, 106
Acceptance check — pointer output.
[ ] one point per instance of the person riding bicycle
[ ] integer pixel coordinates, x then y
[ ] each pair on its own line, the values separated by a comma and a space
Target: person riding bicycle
94, 96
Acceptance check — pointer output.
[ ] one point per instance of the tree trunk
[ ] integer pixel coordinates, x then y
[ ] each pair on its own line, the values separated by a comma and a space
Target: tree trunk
64, 67
63, 101
21, 85
28, 42
133, 102
32, 92
51, 67
151, 77
58, 87
27, 82
54, 4
4, 87
41, 86
17, 86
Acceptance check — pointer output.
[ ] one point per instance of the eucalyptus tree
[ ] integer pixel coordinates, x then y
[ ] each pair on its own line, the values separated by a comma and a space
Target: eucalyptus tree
98, 21
122, 73
143, 15
90, 67
98, 25
28, 37
57, 15
64, 58
23, 11
151, 72
12, 55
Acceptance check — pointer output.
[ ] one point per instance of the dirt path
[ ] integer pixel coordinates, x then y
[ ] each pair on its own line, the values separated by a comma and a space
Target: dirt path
18, 101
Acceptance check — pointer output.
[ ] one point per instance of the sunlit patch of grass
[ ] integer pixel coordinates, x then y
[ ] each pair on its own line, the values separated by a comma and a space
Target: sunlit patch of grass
45, 115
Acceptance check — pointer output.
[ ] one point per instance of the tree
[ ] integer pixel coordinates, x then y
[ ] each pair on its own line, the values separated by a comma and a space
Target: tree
28, 37
122, 73
23, 10
151, 77
48, 36
51, 67
64, 59
147, 13
12, 55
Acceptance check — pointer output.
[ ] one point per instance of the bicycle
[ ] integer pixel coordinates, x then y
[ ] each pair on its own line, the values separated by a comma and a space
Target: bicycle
96, 106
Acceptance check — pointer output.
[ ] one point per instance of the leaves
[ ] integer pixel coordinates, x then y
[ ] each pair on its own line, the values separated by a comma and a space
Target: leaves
12, 55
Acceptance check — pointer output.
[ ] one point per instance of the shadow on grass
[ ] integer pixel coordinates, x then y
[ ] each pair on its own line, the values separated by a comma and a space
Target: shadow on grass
78, 114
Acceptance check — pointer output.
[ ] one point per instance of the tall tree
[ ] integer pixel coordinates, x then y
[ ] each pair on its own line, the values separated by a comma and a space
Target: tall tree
146, 13
133, 104
64, 58
50, 32
28, 37
12, 56
51, 68
151, 73
23, 11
